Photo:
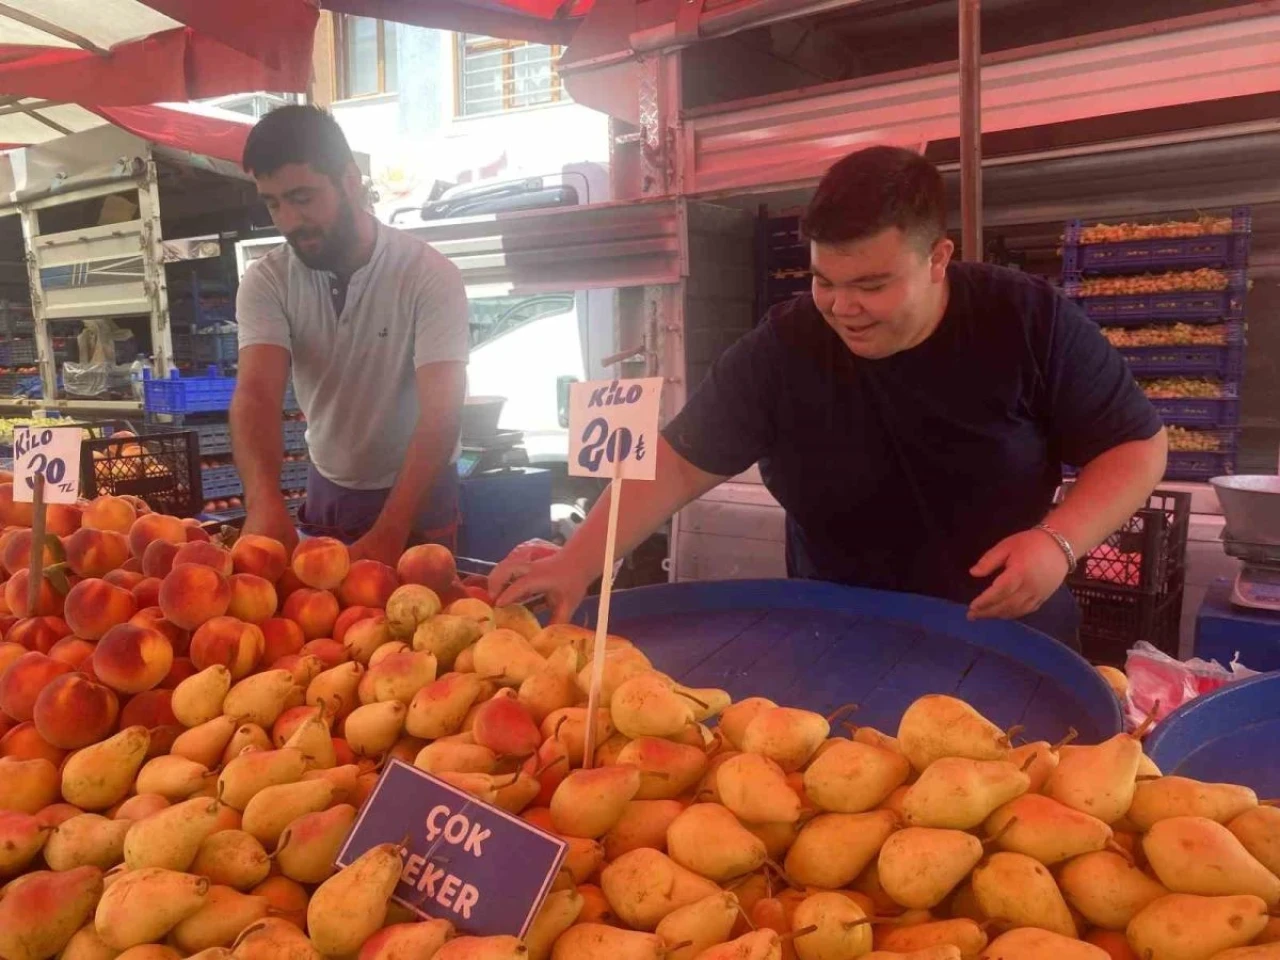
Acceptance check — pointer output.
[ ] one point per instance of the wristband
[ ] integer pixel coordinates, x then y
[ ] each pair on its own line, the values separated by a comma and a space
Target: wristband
1063, 544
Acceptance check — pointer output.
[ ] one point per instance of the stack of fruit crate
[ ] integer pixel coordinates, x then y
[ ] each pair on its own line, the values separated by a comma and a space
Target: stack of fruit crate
1170, 297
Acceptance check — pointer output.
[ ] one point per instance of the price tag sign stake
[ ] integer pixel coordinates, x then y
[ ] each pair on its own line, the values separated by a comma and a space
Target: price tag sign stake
35, 575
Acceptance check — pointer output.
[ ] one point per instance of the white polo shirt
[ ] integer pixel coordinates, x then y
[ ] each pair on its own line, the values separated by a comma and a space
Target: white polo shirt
354, 374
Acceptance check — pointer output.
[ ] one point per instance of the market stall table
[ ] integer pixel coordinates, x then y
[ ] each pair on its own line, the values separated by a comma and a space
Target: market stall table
1225, 632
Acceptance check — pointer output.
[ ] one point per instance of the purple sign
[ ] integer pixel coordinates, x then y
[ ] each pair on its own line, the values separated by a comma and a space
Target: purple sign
481, 868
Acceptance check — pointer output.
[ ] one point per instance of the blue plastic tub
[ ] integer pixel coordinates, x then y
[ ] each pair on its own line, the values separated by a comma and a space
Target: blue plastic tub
819, 646
1229, 736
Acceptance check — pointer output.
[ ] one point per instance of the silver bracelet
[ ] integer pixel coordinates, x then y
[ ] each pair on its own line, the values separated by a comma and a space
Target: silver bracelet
1063, 544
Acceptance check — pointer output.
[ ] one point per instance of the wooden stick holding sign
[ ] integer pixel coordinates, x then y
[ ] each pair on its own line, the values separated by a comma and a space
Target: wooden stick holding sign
46, 469
613, 430
36, 573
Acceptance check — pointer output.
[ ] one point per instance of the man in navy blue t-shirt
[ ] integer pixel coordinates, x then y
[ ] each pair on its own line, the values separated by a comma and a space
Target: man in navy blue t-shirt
911, 415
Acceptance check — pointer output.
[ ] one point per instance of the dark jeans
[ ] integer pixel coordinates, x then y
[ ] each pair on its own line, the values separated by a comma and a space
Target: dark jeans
334, 511
1059, 617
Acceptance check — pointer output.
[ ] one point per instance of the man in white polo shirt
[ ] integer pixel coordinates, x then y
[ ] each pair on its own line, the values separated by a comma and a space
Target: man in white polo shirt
373, 323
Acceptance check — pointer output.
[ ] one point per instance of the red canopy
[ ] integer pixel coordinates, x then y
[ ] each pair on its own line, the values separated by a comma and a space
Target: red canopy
541, 21
183, 130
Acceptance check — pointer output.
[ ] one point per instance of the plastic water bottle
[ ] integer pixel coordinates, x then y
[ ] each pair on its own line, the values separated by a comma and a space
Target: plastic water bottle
135, 376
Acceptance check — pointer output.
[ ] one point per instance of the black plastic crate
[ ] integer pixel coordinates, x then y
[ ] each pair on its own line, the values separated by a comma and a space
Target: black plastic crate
1147, 555
161, 468
1113, 619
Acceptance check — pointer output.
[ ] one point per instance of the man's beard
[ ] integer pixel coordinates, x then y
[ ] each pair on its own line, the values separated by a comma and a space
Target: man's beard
336, 244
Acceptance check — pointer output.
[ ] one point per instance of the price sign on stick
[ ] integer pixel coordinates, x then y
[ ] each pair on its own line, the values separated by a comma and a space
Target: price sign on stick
613, 431
49, 452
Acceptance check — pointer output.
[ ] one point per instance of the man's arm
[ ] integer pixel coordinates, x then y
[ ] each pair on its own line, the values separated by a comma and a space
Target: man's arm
257, 439
441, 389
646, 505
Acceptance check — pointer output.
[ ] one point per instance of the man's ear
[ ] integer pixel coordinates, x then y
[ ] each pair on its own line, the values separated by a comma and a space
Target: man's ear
353, 185
943, 250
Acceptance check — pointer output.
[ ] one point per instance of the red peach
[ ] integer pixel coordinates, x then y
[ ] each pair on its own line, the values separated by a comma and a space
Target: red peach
315, 611
94, 606
207, 553
108, 513
288, 584
193, 594
23, 680
17, 551
261, 556
12, 513
150, 709
73, 651
127, 579
342, 750
133, 565
48, 600
95, 553
182, 669
253, 598
428, 564
330, 652
452, 593
131, 659
38, 633
10, 652
62, 519
157, 559
162, 740
147, 593
73, 712
225, 640
196, 533
281, 637
481, 594
24, 742
155, 526
368, 584
153, 617
57, 813
350, 616
321, 562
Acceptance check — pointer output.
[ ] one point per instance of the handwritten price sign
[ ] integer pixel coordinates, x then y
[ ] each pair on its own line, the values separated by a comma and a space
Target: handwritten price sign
51, 452
614, 424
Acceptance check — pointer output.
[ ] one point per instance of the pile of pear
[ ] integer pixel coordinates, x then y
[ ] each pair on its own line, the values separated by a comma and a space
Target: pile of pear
703, 829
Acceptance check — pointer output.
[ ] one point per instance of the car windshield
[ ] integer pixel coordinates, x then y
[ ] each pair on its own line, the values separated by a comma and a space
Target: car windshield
493, 316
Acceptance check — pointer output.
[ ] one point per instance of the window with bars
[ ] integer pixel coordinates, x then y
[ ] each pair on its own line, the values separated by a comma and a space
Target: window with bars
499, 75
365, 55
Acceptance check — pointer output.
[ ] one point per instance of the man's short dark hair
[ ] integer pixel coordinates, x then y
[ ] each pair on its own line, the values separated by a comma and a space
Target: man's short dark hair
297, 134
876, 189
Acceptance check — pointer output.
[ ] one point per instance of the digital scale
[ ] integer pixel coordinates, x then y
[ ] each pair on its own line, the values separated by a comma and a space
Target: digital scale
502, 450
1251, 506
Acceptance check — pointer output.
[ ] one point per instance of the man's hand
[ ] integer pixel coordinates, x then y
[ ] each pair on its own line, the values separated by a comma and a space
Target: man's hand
558, 578
272, 519
1034, 566
381, 543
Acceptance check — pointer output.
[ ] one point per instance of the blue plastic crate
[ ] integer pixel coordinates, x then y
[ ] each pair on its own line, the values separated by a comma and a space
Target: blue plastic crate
214, 438
1199, 465
295, 435
1142, 307
212, 476
1223, 411
1227, 251
17, 352
1226, 362
231, 487
293, 476
179, 395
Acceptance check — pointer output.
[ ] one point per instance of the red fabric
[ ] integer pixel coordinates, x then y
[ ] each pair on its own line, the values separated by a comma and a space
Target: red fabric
211, 136
539, 21
259, 30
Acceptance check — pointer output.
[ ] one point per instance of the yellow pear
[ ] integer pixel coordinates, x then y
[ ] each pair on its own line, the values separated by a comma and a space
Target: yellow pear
274, 808
169, 898
1260, 951
390, 648
643, 823
438, 709
776, 837
172, 777
1156, 800
205, 743
620, 665
647, 705
345, 780
483, 948
608, 751
852, 777
247, 736
313, 740
232, 858
1031, 943
256, 770
966, 935
708, 702
598, 941
556, 915
762, 944
347, 908
28, 786
1107, 889
588, 803
583, 857
309, 845
199, 698
1147, 768
1183, 926
708, 839
874, 738
86, 840
667, 769
553, 687
569, 726
959, 793
407, 941
507, 657
41, 911
170, 838
700, 925
374, 728
787, 736
1097, 780
410, 605
937, 726
21, 837
755, 788
224, 913
1038, 760
1046, 830
101, 775
443, 756
1199, 855
1019, 891
1258, 828
842, 928
396, 675
337, 688
261, 697
833, 848
274, 938
444, 636
920, 866
735, 718
645, 885
85, 944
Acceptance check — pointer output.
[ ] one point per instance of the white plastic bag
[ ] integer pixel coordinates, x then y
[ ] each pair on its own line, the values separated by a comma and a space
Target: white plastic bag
1159, 683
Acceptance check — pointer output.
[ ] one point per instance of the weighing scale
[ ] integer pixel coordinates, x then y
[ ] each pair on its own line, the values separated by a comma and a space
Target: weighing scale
502, 450
1251, 506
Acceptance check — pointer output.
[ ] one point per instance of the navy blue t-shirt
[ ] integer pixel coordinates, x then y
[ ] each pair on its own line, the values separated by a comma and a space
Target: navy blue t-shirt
901, 473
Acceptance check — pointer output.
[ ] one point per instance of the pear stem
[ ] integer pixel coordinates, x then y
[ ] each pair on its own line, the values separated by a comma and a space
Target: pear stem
676, 947
689, 696
802, 932
1072, 734
1012, 732
1119, 850
841, 710
1148, 723
1146, 776
995, 837
746, 918
782, 874
1026, 764
1270, 802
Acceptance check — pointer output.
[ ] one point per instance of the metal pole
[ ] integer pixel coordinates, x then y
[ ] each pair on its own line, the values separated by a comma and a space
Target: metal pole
971, 129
